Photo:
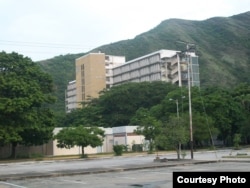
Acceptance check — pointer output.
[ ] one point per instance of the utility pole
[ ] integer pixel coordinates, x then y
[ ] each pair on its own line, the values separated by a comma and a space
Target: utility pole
189, 47
190, 111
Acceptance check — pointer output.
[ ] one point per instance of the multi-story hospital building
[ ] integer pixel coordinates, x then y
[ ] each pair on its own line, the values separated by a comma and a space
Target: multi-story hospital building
98, 71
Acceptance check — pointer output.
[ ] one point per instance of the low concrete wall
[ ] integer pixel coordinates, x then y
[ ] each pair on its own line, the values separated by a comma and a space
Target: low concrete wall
25, 151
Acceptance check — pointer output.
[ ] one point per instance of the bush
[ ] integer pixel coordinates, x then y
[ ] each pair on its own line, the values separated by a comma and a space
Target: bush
118, 149
236, 141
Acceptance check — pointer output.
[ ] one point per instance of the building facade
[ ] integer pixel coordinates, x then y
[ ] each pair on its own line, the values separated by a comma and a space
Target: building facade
97, 71
164, 65
178, 68
123, 135
145, 68
93, 74
70, 96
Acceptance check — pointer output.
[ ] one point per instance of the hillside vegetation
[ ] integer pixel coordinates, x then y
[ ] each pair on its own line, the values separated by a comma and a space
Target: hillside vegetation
222, 44
62, 69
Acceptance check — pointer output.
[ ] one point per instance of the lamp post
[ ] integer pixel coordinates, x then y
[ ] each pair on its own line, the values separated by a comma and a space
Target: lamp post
177, 107
178, 117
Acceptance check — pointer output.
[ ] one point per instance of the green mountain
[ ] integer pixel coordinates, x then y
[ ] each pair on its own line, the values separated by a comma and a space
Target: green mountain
222, 44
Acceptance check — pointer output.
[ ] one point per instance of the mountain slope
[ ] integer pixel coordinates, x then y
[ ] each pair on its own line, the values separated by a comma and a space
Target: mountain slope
62, 70
223, 46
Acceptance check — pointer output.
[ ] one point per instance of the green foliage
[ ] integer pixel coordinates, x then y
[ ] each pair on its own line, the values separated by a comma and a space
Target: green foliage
115, 107
227, 114
116, 110
215, 111
222, 45
148, 126
25, 93
236, 141
79, 136
62, 69
118, 149
172, 134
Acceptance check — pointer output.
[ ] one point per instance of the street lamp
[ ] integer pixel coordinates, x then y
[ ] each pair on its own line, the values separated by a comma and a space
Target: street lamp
178, 117
177, 107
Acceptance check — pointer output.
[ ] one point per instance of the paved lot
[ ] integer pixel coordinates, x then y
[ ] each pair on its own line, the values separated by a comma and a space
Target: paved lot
136, 171
147, 178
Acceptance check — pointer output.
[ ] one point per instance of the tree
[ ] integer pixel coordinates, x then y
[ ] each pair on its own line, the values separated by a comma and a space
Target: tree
225, 112
25, 93
79, 136
89, 115
147, 126
241, 94
176, 104
120, 103
203, 129
172, 134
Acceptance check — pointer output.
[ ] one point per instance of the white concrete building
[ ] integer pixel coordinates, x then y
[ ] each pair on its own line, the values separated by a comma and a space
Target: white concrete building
123, 135
163, 65
70, 96
110, 63
145, 68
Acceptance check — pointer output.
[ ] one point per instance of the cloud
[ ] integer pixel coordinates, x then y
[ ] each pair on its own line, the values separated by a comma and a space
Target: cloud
86, 24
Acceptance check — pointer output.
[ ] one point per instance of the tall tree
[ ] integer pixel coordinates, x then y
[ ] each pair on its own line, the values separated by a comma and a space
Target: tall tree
116, 106
241, 94
148, 126
121, 102
173, 134
25, 92
225, 111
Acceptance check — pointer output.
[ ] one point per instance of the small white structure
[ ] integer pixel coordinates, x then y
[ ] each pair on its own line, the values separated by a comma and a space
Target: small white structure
123, 135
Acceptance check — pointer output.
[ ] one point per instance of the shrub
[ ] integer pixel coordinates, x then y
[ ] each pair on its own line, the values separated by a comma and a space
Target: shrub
236, 141
118, 149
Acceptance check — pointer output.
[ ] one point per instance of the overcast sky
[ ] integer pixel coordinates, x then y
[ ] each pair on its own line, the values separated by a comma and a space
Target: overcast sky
47, 28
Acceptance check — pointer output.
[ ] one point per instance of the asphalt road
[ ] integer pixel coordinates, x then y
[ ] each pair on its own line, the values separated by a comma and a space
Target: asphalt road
136, 171
147, 178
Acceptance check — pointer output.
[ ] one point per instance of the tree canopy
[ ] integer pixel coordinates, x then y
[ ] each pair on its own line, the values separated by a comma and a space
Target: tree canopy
79, 136
116, 106
25, 92
216, 112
